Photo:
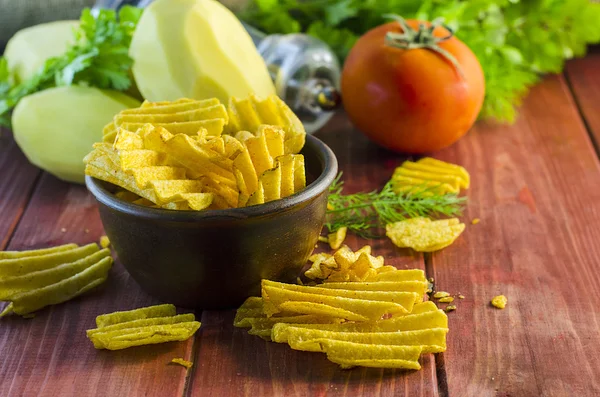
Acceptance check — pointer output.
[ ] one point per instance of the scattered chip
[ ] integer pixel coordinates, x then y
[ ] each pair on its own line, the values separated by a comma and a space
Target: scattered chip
431, 175
423, 234
475, 221
337, 238
441, 294
182, 362
499, 301
382, 322
37, 252
145, 326
104, 242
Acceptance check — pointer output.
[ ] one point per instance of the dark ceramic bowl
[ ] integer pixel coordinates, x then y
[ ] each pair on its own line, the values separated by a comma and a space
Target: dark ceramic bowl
216, 259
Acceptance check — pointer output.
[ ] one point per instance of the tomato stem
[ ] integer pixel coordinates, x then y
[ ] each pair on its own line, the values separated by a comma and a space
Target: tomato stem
411, 39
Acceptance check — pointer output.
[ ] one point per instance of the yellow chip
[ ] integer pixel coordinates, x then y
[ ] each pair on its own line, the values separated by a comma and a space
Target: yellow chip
418, 287
321, 309
105, 320
13, 285
181, 318
449, 168
258, 197
372, 305
424, 235
18, 266
274, 139
361, 354
30, 301
36, 252
271, 182
286, 164
182, 362
148, 335
337, 238
430, 340
401, 275
259, 153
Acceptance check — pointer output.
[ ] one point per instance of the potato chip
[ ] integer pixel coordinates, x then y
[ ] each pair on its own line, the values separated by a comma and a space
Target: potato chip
23, 265
178, 118
105, 320
259, 153
423, 234
36, 252
262, 326
401, 275
430, 340
271, 182
14, 285
258, 197
419, 287
62, 291
370, 304
349, 354
147, 322
250, 113
337, 238
433, 175
127, 195
449, 168
184, 363
321, 309
148, 335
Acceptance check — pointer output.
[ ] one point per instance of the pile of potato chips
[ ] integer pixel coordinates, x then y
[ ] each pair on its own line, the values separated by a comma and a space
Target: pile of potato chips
437, 176
145, 326
195, 155
363, 314
31, 280
423, 234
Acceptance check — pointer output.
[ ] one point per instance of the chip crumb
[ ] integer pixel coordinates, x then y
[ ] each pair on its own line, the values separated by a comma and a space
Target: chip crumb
460, 296
64, 230
431, 280
475, 221
450, 308
440, 294
323, 239
447, 299
182, 362
499, 301
104, 242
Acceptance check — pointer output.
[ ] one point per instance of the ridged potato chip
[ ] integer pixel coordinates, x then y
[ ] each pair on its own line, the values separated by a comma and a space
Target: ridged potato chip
144, 326
423, 234
12, 286
20, 266
177, 117
431, 340
36, 252
250, 113
166, 310
431, 175
32, 300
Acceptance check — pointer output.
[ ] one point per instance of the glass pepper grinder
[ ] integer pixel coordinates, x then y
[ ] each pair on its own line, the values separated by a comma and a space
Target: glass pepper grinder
305, 71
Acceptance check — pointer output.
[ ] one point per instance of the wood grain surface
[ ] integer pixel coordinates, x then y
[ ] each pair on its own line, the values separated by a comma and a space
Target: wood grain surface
17, 179
584, 77
534, 187
49, 355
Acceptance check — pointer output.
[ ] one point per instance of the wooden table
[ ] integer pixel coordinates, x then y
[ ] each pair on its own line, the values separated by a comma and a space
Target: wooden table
536, 189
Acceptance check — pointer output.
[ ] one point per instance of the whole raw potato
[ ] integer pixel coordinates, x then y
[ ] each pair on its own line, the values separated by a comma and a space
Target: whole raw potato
57, 127
196, 49
29, 48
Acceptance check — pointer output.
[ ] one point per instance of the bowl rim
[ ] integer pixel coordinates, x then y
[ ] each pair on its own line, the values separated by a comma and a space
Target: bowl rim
318, 186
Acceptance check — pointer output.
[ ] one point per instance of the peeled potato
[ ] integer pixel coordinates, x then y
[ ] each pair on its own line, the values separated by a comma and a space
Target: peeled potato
56, 128
195, 49
29, 48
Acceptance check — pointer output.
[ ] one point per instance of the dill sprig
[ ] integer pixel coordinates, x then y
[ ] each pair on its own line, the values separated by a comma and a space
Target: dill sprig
367, 213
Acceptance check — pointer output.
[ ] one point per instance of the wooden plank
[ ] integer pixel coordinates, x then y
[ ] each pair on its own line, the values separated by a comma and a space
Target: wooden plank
228, 361
50, 355
583, 75
535, 188
17, 179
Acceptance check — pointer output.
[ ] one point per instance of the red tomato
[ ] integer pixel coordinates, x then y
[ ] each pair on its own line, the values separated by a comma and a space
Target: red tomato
411, 100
